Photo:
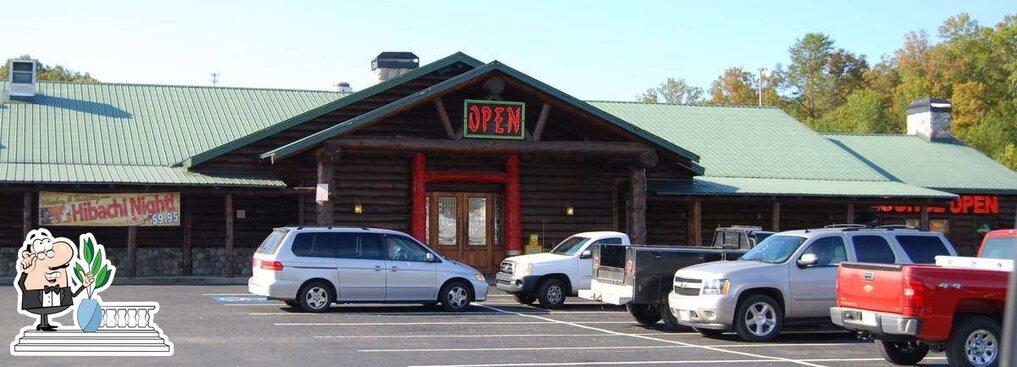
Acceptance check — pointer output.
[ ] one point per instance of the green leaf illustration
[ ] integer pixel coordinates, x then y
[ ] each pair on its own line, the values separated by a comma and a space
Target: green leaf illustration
89, 250
97, 263
102, 278
79, 273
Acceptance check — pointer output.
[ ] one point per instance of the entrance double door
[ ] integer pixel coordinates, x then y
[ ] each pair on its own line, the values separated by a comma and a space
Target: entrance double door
467, 227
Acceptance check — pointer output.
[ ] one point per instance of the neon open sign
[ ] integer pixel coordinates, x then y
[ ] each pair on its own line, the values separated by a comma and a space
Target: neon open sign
494, 119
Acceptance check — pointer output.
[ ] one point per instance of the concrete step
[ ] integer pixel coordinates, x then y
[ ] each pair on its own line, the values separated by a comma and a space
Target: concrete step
103, 342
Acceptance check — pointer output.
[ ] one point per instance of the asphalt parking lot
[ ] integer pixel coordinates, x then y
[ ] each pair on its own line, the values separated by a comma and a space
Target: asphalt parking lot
224, 326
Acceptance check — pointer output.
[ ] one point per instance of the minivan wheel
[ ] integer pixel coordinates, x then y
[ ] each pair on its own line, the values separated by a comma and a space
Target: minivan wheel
524, 298
902, 353
551, 293
315, 297
645, 314
758, 318
974, 342
455, 297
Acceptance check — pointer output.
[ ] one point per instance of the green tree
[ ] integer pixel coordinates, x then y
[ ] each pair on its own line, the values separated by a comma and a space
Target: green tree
673, 91
1008, 156
55, 73
807, 78
863, 112
735, 87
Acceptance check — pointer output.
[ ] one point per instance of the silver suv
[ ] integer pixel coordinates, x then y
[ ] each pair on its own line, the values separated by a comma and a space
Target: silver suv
311, 268
789, 277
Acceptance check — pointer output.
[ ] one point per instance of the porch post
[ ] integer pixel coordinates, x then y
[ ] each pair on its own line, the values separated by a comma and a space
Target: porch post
132, 251
326, 174
850, 214
229, 235
638, 206
695, 223
185, 259
513, 216
776, 217
26, 214
924, 221
418, 192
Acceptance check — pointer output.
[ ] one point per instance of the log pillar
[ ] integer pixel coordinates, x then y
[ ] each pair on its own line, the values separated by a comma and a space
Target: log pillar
132, 251
637, 206
923, 223
418, 193
185, 259
230, 214
695, 223
513, 208
850, 214
776, 217
26, 214
327, 157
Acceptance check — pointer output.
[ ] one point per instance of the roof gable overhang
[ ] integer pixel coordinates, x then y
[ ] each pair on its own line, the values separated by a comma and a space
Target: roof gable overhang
451, 60
471, 78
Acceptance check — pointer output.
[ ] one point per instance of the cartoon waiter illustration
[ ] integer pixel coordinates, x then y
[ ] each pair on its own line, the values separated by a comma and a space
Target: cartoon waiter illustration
42, 277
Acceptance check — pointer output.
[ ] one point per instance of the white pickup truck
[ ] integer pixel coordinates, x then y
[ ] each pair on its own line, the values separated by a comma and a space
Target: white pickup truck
550, 277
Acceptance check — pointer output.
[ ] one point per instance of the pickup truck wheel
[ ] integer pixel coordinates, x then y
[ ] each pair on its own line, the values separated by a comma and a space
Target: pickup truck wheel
551, 293
646, 315
758, 318
974, 342
670, 320
524, 298
710, 333
902, 353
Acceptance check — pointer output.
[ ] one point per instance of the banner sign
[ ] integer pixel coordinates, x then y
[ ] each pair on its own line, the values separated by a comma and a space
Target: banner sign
108, 209
964, 204
494, 119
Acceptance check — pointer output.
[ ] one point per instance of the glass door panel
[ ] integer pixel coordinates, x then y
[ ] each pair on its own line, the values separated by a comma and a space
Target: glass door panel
477, 223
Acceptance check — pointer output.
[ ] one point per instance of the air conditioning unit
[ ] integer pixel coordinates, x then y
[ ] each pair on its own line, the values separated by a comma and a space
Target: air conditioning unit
21, 79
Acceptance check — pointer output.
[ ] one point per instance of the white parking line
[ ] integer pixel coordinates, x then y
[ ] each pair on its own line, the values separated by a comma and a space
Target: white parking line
622, 363
521, 349
458, 323
227, 294
252, 304
437, 336
664, 340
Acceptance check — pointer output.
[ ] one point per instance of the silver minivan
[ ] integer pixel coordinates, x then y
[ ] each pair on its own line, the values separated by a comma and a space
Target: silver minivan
312, 268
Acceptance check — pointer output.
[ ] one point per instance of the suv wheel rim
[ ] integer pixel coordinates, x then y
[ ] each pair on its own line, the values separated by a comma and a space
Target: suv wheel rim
554, 293
317, 297
458, 297
981, 348
760, 319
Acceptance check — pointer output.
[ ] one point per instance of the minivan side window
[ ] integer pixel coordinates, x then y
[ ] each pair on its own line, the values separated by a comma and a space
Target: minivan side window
829, 250
922, 249
353, 245
873, 249
404, 249
314, 245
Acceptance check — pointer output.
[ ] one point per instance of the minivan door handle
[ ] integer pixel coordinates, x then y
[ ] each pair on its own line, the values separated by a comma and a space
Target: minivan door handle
395, 268
377, 268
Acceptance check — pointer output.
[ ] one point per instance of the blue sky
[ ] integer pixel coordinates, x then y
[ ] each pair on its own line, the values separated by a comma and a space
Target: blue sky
591, 49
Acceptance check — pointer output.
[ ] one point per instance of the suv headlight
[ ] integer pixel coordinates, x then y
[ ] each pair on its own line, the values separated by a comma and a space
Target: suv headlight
716, 286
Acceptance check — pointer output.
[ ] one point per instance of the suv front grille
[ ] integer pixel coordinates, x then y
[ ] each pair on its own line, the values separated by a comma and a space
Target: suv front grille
687, 287
507, 267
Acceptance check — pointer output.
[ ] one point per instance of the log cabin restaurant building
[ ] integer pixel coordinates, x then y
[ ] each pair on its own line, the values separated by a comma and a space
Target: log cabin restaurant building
476, 159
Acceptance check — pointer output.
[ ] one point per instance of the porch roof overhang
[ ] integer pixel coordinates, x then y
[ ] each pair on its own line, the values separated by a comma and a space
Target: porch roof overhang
739, 186
459, 82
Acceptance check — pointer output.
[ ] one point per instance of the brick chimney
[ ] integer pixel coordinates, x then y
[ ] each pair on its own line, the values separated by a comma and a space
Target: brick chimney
930, 118
390, 64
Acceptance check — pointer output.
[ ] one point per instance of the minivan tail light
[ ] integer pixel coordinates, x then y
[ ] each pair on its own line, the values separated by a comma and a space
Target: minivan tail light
271, 265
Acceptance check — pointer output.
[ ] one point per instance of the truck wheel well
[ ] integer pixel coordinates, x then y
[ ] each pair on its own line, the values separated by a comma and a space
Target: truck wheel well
772, 292
988, 308
563, 277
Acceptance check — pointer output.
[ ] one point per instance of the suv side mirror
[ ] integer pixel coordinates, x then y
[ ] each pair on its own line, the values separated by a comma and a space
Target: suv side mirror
430, 257
807, 260
586, 254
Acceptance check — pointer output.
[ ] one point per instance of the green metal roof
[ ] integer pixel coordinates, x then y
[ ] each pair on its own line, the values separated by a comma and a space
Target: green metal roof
148, 126
314, 139
948, 166
36, 173
728, 186
746, 141
229, 146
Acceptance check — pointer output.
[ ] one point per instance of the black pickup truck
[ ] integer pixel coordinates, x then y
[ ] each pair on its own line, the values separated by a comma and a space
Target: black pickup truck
641, 277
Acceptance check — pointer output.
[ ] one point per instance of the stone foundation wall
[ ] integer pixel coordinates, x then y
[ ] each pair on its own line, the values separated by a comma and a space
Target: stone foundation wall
208, 261
9, 261
157, 261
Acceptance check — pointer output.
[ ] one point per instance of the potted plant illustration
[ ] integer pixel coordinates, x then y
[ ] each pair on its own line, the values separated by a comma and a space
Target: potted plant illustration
89, 312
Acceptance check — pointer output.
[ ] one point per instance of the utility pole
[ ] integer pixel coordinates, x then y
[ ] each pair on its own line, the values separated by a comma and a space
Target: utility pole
761, 86
214, 78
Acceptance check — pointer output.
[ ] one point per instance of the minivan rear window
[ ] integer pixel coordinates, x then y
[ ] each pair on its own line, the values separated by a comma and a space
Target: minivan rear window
922, 249
319, 244
272, 242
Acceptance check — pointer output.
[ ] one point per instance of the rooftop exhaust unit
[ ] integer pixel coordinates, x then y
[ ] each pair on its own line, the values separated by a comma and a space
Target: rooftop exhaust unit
21, 79
389, 64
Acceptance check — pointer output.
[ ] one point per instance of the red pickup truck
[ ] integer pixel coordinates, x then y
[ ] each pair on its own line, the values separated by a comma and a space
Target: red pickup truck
911, 309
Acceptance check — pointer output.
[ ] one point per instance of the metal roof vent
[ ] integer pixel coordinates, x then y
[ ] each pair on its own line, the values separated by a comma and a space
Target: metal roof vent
344, 87
389, 64
21, 79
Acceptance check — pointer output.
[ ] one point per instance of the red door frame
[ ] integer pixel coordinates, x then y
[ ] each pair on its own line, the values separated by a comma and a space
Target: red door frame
513, 221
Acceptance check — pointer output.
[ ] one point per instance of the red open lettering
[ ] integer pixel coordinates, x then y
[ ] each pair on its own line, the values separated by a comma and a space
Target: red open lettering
498, 120
486, 112
514, 113
474, 119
